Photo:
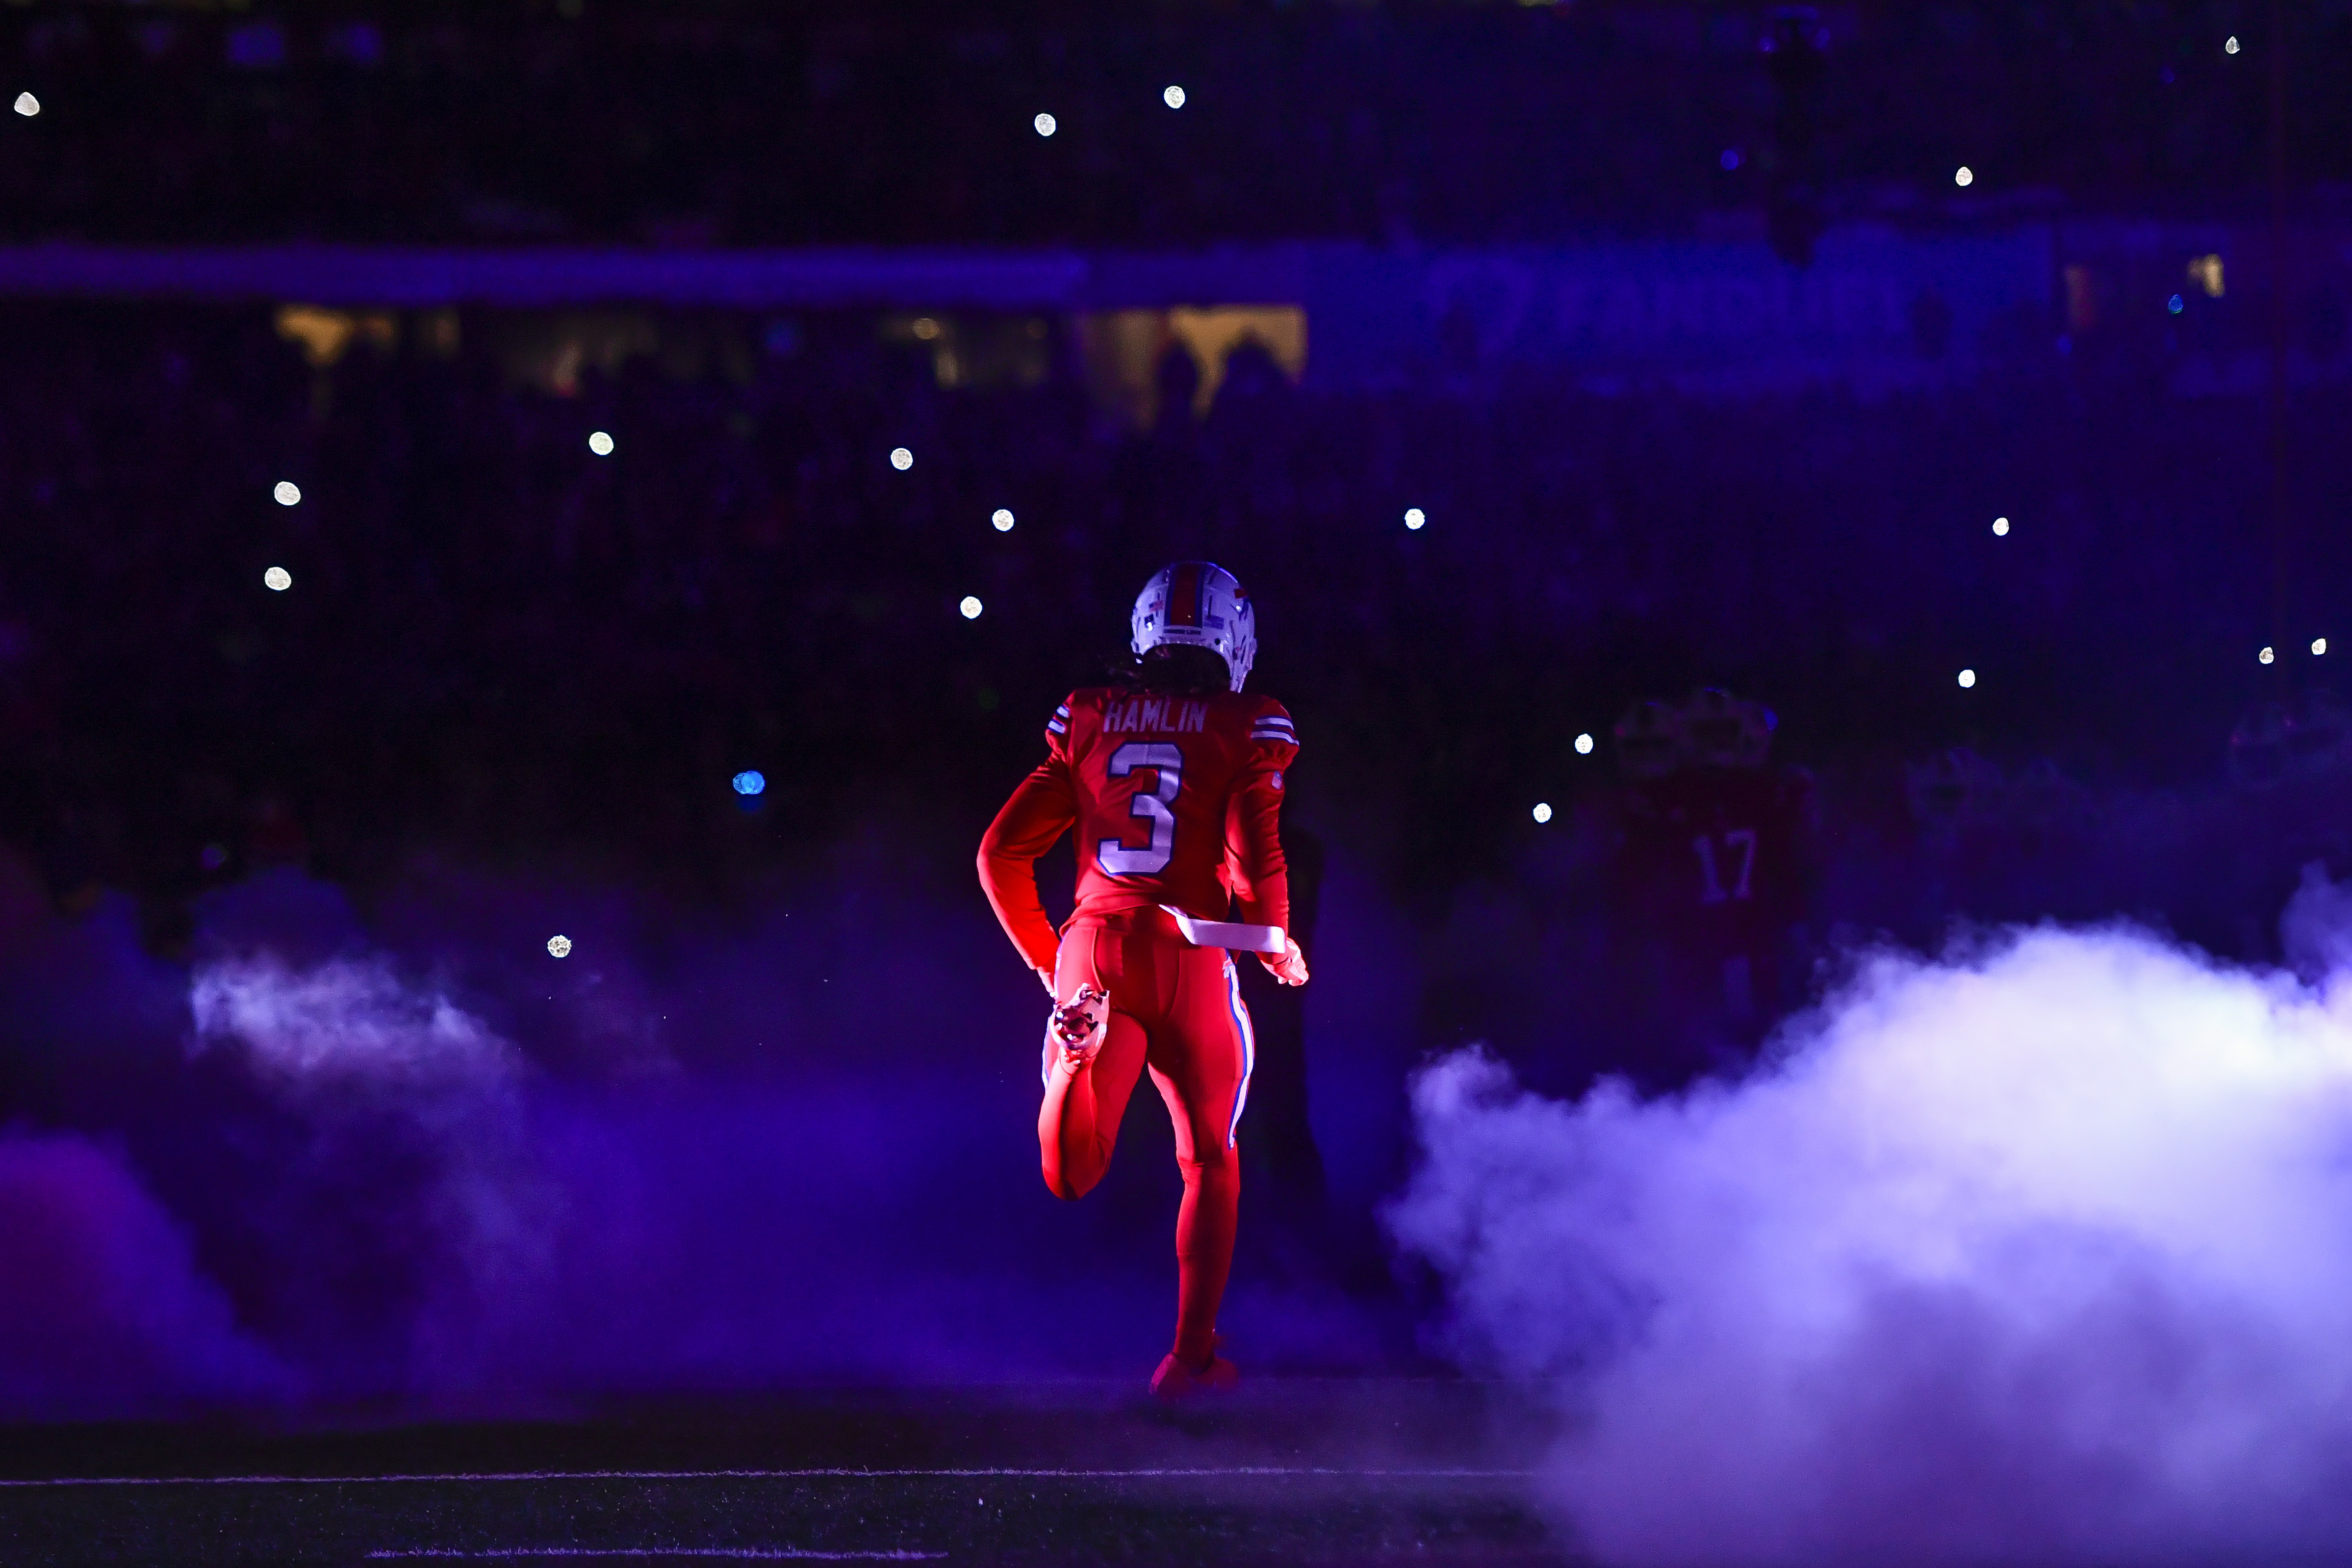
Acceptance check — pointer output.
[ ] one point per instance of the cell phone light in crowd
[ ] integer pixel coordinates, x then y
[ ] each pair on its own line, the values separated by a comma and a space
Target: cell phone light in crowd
2267, 656
600, 443
1584, 745
1967, 679
559, 946
1414, 517
901, 458
750, 781
1001, 519
27, 105
277, 579
288, 492
2176, 305
2229, 45
1543, 812
1964, 177
970, 608
1730, 159
2318, 646
1173, 96
2001, 528
1046, 124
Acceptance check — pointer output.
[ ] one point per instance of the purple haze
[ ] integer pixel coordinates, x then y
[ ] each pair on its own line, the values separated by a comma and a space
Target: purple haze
411, 1156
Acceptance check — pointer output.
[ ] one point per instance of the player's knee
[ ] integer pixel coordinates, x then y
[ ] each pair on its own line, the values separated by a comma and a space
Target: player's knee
1070, 1186
1212, 1165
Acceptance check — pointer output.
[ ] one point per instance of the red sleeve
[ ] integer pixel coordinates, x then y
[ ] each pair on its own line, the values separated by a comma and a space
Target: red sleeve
1043, 807
1253, 862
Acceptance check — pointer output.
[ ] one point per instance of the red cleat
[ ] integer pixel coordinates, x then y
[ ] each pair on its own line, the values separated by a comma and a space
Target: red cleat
1176, 1381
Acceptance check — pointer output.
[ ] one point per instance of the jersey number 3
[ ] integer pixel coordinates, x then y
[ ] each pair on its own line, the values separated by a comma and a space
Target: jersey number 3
1156, 807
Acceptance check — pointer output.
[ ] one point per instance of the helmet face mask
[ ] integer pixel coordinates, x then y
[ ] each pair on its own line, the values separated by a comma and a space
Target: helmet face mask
1953, 789
1651, 743
1727, 731
1197, 603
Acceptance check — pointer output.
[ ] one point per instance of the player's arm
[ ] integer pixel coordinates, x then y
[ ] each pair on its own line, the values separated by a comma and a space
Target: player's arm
1255, 865
1041, 809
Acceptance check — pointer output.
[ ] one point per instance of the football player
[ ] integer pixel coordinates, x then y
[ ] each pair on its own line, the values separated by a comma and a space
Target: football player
1716, 862
1173, 783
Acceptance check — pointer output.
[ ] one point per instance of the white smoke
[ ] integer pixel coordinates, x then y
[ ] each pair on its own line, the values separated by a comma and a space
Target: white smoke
347, 1026
2040, 1253
409, 1097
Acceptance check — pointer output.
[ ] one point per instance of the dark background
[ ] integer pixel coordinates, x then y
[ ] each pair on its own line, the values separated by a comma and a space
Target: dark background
509, 688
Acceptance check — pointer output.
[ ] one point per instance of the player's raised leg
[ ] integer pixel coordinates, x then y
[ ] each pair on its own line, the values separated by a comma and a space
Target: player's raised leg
1078, 1124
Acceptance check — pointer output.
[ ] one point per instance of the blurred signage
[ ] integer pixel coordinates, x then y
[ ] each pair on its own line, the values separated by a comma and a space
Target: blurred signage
1872, 304
1732, 313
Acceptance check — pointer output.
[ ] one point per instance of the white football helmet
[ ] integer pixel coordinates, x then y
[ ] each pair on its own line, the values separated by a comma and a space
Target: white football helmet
1201, 605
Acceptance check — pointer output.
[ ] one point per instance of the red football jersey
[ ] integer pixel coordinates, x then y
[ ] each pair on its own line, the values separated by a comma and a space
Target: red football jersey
1719, 856
1175, 800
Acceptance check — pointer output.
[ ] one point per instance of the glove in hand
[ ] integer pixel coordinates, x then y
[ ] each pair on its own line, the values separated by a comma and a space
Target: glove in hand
1290, 967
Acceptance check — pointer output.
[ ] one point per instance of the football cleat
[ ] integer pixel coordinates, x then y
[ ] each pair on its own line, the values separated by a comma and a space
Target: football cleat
1175, 1381
1078, 1026
1197, 603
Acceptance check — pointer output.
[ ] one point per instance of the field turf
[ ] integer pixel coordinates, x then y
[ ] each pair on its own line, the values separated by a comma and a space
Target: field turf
1340, 1472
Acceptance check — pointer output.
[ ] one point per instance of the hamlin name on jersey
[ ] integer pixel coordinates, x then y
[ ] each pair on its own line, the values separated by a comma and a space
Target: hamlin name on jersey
1176, 715
1120, 714
1174, 800
1169, 791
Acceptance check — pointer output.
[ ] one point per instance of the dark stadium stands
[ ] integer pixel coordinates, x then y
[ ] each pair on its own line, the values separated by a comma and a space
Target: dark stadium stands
719, 123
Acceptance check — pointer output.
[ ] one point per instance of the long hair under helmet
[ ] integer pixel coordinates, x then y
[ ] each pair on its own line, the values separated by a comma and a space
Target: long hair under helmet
1197, 603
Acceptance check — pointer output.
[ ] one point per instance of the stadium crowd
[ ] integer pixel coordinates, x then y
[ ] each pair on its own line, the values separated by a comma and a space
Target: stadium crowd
500, 644
724, 122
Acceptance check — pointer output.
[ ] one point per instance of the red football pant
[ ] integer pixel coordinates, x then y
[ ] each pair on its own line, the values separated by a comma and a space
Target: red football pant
1178, 1009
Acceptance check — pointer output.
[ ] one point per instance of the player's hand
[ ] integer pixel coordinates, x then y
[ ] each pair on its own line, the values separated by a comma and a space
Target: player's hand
1290, 967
